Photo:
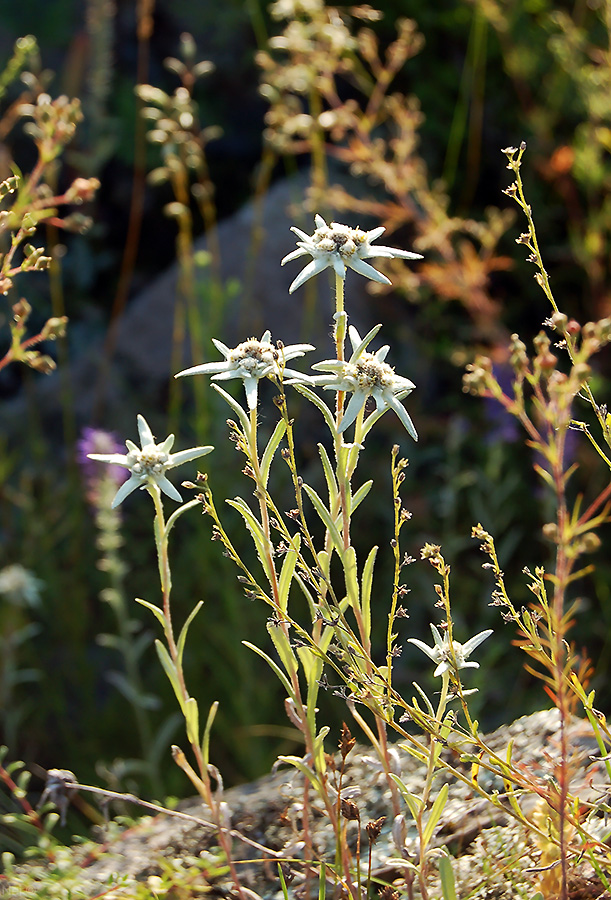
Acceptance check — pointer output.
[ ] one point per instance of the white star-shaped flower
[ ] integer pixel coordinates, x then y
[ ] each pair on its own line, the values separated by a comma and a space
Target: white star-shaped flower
251, 361
442, 654
337, 246
149, 464
366, 375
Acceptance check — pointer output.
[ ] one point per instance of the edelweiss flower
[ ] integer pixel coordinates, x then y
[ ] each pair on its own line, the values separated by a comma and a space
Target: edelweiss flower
442, 654
251, 361
366, 375
149, 464
338, 246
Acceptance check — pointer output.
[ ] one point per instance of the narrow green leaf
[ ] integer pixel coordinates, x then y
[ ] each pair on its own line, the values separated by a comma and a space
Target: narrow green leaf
275, 668
270, 450
256, 532
322, 881
366, 585
350, 576
324, 563
429, 705
157, 612
360, 495
366, 340
192, 720
446, 874
319, 749
311, 663
332, 486
287, 572
181, 510
303, 768
414, 804
244, 420
285, 892
325, 517
207, 731
183, 632
170, 669
283, 648
319, 404
435, 814
330, 630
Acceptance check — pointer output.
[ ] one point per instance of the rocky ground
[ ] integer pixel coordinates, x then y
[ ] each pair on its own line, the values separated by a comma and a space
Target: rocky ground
493, 856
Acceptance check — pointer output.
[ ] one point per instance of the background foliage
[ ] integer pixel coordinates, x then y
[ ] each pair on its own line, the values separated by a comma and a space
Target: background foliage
488, 74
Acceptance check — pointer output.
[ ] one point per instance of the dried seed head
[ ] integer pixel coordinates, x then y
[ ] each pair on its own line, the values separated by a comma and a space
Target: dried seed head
346, 742
350, 811
374, 829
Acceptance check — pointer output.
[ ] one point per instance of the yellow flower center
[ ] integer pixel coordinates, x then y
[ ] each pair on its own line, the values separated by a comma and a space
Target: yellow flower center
338, 239
252, 352
150, 461
371, 373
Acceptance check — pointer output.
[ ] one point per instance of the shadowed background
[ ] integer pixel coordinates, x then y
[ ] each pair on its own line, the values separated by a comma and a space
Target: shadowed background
482, 78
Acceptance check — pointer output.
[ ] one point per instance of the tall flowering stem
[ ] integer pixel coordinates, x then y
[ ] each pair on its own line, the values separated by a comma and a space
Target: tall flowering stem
340, 338
302, 713
174, 669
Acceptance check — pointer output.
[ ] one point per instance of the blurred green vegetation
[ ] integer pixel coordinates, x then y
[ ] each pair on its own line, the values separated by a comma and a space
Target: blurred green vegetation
489, 74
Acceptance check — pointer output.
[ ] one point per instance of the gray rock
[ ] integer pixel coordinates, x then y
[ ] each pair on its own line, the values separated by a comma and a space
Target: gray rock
111, 387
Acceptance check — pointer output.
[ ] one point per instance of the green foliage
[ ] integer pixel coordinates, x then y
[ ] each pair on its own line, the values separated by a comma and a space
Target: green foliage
336, 86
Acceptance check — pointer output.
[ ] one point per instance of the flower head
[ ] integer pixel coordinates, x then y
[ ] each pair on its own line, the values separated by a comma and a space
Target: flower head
366, 375
149, 464
444, 655
251, 361
337, 246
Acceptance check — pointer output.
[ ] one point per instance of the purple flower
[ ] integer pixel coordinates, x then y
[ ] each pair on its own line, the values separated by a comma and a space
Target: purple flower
96, 440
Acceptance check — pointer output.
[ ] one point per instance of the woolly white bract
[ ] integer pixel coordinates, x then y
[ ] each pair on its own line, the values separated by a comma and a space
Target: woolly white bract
366, 375
442, 653
251, 361
337, 246
149, 464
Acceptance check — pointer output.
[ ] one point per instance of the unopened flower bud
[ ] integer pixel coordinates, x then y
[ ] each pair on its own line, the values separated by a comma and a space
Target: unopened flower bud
21, 310
550, 531
547, 361
582, 371
54, 328
39, 362
541, 342
82, 190
590, 542
559, 320
604, 330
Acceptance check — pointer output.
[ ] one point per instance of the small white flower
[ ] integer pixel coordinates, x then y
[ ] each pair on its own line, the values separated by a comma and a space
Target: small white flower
442, 654
366, 375
337, 246
251, 361
149, 464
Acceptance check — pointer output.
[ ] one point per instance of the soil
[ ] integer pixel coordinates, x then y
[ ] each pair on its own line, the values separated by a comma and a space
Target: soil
492, 854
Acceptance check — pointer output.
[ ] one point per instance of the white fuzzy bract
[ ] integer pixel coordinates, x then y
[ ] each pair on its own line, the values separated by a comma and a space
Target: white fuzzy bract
448, 656
337, 246
366, 375
250, 361
149, 463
